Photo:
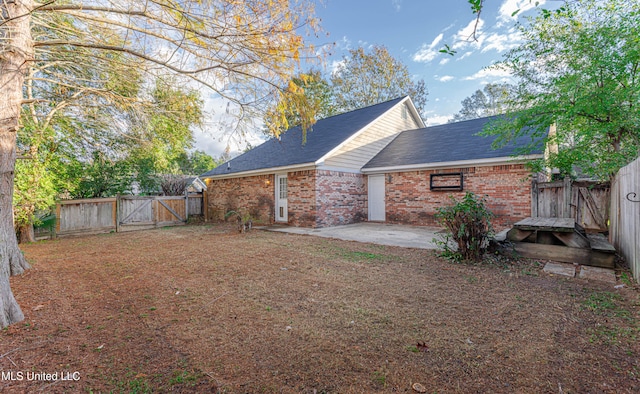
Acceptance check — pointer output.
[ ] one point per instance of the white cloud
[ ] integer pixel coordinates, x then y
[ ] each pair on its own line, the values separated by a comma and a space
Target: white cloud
397, 4
344, 43
335, 65
365, 44
444, 61
465, 55
451, 26
427, 53
465, 36
501, 42
445, 78
489, 73
508, 7
219, 133
434, 120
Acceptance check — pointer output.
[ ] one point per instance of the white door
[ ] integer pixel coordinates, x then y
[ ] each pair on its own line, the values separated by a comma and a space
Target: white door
376, 198
281, 198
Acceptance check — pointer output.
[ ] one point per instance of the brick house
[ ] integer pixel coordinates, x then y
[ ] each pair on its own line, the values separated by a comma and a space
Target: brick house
378, 163
317, 183
420, 169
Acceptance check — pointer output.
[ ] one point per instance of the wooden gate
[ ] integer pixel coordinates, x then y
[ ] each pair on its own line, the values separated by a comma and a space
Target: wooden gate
585, 201
142, 212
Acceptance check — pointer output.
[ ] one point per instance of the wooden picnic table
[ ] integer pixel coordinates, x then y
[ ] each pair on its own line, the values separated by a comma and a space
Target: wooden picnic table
549, 231
560, 239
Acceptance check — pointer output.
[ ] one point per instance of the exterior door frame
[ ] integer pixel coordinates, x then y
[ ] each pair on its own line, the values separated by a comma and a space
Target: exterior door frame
281, 201
376, 193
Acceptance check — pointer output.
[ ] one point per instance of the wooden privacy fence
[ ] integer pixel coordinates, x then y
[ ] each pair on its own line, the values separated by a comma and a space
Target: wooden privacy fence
140, 212
93, 215
585, 201
195, 202
125, 213
625, 215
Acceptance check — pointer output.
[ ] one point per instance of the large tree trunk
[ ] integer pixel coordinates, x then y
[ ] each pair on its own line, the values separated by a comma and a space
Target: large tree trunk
15, 53
26, 234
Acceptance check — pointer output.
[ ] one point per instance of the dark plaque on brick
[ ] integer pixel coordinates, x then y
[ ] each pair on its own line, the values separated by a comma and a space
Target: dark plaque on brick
446, 182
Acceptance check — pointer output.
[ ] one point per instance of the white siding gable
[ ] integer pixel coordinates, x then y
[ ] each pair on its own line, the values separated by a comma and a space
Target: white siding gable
357, 152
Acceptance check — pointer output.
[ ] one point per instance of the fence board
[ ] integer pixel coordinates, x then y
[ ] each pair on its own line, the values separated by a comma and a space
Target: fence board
196, 204
170, 210
135, 213
587, 202
124, 213
625, 215
86, 216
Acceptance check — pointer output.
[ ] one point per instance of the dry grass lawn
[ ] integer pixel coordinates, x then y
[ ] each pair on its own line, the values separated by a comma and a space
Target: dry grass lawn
203, 309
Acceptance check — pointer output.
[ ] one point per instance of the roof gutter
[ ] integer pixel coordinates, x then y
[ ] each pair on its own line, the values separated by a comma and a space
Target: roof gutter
263, 171
452, 164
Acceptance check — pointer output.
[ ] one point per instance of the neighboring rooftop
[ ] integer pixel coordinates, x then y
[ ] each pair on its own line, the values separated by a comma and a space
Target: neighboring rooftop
289, 150
449, 142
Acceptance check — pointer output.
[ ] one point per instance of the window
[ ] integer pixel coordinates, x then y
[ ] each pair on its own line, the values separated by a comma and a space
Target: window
449, 182
283, 188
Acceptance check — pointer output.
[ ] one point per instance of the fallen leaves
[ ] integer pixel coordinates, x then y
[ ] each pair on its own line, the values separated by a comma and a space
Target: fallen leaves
422, 347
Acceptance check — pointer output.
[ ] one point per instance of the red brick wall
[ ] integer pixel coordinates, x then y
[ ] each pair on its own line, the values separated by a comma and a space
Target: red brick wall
507, 189
341, 198
329, 198
255, 194
315, 198
301, 201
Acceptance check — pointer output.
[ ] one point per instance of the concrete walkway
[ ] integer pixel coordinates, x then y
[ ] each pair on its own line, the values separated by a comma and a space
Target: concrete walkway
377, 233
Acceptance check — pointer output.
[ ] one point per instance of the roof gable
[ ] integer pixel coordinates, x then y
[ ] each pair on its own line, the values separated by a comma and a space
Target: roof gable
451, 142
289, 150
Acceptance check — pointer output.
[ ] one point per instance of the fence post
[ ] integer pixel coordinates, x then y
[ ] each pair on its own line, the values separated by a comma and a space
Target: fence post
566, 196
58, 213
534, 196
117, 213
186, 205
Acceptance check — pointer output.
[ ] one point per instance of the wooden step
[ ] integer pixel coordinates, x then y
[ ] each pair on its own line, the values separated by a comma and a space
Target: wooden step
566, 225
561, 239
565, 254
600, 243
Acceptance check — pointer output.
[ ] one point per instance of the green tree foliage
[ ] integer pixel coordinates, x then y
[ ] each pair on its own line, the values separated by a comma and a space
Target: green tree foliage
493, 99
101, 177
73, 110
367, 78
579, 67
197, 162
362, 79
305, 92
242, 51
163, 137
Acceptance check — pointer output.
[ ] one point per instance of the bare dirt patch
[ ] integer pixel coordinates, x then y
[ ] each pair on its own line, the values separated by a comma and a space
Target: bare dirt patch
204, 309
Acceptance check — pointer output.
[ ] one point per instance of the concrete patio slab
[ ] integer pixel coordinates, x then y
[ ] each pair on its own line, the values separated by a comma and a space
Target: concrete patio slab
377, 233
596, 273
560, 269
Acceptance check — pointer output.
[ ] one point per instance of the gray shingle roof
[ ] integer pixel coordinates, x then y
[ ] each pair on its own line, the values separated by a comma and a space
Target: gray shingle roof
289, 150
445, 143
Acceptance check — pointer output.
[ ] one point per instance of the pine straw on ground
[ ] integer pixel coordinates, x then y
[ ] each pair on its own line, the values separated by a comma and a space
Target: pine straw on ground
204, 309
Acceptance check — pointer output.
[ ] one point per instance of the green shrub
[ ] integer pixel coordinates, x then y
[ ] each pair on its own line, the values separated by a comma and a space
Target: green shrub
245, 221
468, 225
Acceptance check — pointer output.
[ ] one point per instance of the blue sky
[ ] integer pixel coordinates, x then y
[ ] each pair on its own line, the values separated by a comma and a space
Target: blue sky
413, 31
